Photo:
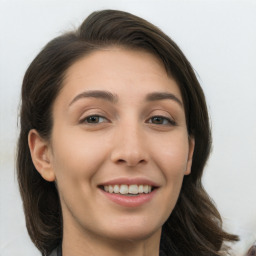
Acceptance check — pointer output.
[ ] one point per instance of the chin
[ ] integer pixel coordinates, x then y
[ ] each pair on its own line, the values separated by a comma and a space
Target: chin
131, 232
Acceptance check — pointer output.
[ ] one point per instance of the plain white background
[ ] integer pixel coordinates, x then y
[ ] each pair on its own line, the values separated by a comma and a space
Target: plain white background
219, 39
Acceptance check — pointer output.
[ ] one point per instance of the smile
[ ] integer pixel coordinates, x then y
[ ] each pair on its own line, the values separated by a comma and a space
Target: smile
125, 189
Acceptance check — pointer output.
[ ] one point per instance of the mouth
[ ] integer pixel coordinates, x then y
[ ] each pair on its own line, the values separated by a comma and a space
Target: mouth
128, 190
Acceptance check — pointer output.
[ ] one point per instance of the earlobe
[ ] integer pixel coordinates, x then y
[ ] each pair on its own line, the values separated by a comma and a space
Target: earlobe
41, 155
191, 141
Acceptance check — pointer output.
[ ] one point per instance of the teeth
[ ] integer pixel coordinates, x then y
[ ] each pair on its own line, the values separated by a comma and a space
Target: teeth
133, 189
116, 189
123, 189
145, 188
128, 189
110, 189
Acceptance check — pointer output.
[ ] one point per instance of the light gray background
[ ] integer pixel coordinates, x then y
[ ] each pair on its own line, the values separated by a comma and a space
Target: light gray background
219, 39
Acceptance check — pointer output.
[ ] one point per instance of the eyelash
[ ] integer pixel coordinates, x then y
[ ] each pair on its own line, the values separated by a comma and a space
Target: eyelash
85, 120
165, 120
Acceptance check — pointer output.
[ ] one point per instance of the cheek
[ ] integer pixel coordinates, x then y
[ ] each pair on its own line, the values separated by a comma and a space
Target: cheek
172, 158
172, 155
76, 160
76, 157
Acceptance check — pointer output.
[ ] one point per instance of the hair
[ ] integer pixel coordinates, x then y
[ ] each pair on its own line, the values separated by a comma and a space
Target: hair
194, 226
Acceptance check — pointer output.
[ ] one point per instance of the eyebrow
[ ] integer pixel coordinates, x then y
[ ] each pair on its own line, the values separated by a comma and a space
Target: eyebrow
105, 95
154, 96
113, 98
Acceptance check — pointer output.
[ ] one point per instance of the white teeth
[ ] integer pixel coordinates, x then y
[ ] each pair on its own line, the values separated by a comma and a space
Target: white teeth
128, 189
116, 189
133, 189
110, 189
145, 188
123, 189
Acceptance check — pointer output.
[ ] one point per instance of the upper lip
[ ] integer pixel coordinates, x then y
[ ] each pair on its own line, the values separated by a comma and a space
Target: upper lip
130, 181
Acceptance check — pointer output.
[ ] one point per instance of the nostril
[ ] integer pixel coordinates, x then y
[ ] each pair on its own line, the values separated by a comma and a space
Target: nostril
121, 161
128, 154
130, 162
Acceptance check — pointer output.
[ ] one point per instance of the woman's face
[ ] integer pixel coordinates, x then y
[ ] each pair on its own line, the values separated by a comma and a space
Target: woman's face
119, 124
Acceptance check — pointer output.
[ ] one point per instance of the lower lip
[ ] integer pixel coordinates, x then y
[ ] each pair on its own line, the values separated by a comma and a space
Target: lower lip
130, 201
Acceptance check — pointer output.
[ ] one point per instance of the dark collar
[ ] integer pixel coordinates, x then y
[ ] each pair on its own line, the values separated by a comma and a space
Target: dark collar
58, 252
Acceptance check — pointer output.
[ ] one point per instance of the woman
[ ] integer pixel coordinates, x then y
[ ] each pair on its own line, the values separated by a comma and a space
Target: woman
114, 138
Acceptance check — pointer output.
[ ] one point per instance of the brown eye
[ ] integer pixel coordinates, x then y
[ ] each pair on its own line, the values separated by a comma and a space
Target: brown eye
158, 120
161, 120
94, 119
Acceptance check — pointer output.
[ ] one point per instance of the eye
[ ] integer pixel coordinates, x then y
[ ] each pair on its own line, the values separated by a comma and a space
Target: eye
93, 119
161, 120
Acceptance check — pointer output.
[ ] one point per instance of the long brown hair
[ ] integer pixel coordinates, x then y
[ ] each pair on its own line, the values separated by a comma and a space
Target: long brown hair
195, 226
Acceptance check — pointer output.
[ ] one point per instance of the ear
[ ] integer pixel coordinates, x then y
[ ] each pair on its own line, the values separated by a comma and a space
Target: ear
41, 155
191, 142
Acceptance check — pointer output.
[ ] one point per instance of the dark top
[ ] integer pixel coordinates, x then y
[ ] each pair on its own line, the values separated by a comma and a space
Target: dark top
58, 252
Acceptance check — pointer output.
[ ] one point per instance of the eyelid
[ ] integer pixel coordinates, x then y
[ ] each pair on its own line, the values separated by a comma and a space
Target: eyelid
88, 111
83, 120
170, 121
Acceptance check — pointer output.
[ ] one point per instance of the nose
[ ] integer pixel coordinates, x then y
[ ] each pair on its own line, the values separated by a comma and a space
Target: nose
129, 146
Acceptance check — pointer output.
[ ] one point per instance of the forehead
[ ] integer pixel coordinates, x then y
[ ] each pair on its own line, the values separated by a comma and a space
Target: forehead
120, 70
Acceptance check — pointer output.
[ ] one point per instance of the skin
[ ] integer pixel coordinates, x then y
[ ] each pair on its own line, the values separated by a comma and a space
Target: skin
126, 141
